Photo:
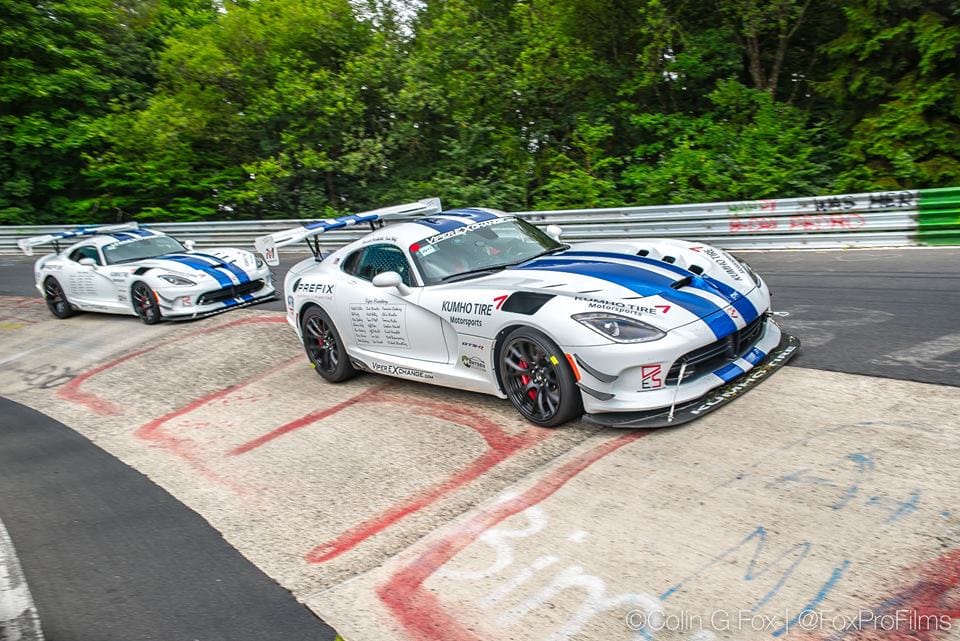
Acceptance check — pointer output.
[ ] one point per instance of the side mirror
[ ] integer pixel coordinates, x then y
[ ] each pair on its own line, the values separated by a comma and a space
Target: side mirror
554, 232
189, 244
88, 262
391, 279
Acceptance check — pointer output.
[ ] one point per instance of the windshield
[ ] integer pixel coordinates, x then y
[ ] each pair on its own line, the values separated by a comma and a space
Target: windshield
479, 247
139, 249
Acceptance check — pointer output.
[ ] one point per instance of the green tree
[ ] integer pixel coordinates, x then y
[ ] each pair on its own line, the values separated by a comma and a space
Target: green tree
63, 67
748, 146
254, 116
894, 84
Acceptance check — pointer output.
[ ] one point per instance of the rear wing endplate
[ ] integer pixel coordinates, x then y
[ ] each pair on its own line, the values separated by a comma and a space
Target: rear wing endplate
26, 245
267, 245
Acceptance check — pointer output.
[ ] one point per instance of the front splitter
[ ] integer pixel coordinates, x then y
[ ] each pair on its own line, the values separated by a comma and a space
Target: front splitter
788, 347
213, 312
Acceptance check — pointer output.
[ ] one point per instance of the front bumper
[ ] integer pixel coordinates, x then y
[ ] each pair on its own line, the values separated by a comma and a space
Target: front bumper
690, 409
172, 305
219, 308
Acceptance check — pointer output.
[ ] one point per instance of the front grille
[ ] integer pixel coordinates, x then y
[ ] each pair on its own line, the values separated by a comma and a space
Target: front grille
704, 360
235, 291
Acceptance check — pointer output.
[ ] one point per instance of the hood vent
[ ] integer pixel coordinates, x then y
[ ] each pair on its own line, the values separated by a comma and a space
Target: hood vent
527, 303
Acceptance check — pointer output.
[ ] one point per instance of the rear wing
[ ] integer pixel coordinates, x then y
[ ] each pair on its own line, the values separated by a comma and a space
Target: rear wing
26, 245
268, 245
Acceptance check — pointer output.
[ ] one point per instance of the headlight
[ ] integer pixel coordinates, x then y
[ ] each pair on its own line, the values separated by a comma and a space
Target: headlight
619, 328
260, 262
753, 274
179, 281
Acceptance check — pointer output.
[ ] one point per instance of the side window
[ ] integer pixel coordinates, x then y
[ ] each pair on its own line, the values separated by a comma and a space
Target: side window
368, 262
85, 252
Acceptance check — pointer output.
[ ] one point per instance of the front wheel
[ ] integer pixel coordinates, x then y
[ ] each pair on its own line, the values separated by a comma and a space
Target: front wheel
324, 347
145, 304
538, 379
57, 301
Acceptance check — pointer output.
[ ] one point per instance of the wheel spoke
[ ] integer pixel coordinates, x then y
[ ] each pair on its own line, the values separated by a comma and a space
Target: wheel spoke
321, 343
313, 326
540, 404
551, 402
514, 366
533, 382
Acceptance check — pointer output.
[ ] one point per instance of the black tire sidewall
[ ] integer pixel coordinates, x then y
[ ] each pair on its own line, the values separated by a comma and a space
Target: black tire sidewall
344, 370
67, 311
571, 402
156, 318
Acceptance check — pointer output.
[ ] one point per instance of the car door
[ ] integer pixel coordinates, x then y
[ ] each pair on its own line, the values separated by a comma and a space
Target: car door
90, 286
380, 319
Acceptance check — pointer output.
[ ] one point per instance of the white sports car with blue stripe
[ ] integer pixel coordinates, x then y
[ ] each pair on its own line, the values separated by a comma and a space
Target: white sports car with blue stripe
128, 269
630, 333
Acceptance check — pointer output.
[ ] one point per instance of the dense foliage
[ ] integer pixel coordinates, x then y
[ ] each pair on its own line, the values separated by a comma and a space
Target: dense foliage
194, 109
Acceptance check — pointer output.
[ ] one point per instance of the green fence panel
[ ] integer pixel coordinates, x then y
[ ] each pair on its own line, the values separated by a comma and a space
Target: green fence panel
938, 218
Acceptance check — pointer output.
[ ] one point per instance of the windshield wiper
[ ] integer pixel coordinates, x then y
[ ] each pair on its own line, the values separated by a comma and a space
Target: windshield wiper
547, 252
479, 270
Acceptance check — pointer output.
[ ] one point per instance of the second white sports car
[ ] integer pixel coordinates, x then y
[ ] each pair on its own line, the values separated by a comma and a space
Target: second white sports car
127, 269
638, 333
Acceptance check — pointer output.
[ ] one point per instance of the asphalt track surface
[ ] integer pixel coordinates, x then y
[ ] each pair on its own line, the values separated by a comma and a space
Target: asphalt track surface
111, 556
879, 312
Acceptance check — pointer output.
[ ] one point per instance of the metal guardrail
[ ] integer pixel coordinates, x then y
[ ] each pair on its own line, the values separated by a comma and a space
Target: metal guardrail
878, 219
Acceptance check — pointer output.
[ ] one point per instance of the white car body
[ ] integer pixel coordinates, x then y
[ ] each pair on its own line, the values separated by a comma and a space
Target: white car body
449, 333
186, 284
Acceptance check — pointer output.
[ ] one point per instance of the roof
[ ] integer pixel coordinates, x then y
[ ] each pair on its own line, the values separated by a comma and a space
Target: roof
101, 240
412, 231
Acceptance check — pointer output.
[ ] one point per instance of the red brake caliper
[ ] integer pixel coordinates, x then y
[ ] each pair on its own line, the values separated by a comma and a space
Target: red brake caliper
524, 379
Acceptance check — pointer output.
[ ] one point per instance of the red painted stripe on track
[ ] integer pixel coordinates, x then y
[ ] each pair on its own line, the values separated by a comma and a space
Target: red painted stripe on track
73, 393
418, 610
305, 420
501, 444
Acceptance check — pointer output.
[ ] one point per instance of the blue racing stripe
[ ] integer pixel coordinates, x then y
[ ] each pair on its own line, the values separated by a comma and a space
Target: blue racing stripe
640, 281
200, 265
646, 283
475, 215
729, 372
440, 225
739, 301
236, 271
122, 236
754, 356
343, 221
637, 259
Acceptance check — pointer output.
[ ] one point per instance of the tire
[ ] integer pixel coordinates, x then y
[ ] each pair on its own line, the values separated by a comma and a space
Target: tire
56, 299
324, 347
145, 303
538, 379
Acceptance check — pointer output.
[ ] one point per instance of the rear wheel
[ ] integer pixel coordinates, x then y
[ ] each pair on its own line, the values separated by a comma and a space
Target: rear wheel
324, 347
57, 301
145, 303
537, 378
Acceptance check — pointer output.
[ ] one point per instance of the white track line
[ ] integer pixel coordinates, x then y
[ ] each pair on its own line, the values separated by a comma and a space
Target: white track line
18, 615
